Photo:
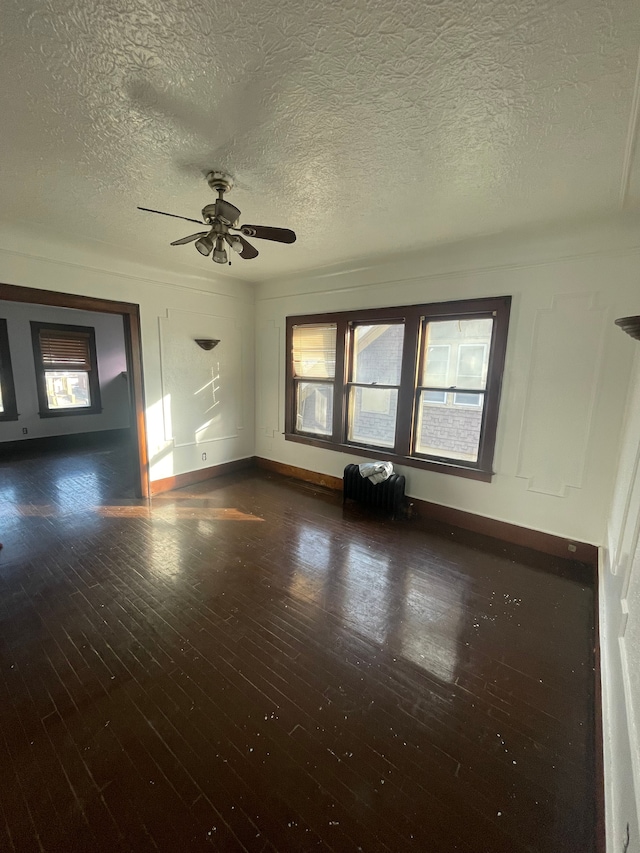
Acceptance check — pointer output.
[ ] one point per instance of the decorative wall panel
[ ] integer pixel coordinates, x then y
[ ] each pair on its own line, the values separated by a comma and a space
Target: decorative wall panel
561, 392
269, 391
203, 403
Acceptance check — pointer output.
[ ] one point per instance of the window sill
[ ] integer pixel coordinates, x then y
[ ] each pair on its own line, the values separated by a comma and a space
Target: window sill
9, 416
409, 461
68, 413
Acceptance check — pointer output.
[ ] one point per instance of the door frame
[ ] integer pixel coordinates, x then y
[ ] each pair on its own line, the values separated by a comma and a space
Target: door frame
130, 313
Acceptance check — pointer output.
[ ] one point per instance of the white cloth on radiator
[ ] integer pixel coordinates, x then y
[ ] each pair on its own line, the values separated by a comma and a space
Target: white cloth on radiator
376, 472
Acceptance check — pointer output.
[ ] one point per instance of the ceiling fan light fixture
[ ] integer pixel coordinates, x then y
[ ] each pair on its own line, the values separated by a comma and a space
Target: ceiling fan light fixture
204, 245
220, 253
235, 243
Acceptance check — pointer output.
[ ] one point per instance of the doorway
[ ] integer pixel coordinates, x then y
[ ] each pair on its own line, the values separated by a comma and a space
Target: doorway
130, 314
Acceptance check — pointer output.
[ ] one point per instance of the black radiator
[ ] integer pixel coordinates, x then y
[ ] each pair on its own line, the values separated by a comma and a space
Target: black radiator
388, 495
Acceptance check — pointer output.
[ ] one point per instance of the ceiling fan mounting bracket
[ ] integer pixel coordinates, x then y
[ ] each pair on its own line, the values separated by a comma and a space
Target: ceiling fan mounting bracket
220, 182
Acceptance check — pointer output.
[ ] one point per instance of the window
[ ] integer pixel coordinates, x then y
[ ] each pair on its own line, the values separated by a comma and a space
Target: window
314, 367
454, 433
8, 408
374, 381
66, 369
418, 384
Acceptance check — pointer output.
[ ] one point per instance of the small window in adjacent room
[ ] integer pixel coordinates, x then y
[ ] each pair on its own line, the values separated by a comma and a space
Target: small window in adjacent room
66, 369
8, 408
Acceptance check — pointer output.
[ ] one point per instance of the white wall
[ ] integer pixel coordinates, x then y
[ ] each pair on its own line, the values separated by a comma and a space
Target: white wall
567, 366
196, 403
111, 358
620, 633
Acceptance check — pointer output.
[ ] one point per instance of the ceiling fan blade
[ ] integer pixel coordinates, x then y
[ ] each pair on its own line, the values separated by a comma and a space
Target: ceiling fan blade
174, 215
248, 251
189, 239
264, 232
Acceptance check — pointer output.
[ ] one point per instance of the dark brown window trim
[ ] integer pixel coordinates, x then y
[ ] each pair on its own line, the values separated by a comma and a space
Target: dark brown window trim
6, 377
412, 316
94, 383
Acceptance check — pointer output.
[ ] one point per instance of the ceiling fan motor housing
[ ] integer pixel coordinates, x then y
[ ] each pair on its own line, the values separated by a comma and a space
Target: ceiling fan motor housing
209, 213
221, 213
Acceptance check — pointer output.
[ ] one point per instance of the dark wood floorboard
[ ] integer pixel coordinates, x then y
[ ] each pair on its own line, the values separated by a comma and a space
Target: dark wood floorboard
245, 666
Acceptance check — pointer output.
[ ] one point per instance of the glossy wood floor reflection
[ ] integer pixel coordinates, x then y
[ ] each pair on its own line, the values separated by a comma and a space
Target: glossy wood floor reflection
244, 666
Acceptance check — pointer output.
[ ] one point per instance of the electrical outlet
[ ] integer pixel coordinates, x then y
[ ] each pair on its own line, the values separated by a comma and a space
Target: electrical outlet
24, 430
572, 547
204, 457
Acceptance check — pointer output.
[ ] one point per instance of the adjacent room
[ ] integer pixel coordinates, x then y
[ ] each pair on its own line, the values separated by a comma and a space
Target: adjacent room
216, 632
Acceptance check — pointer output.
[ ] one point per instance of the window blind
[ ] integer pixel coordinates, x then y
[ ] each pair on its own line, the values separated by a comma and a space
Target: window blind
314, 351
65, 349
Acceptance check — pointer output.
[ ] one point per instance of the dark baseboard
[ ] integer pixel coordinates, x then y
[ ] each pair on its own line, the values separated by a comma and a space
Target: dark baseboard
536, 540
429, 514
325, 480
179, 481
71, 441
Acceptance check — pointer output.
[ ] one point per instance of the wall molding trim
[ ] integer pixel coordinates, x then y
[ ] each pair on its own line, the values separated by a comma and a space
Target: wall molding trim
205, 289
427, 512
458, 272
179, 481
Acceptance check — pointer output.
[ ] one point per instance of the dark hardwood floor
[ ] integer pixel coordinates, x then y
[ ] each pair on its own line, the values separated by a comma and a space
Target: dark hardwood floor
245, 666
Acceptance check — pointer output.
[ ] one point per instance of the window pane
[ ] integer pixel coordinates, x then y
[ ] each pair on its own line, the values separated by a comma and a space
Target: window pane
377, 353
1, 403
314, 408
372, 416
436, 366
314, 351
468, 342
449, 431
472, 365
67, 389
467, 399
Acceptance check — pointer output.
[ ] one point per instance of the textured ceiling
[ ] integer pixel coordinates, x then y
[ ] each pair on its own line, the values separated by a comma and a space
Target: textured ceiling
368, 126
